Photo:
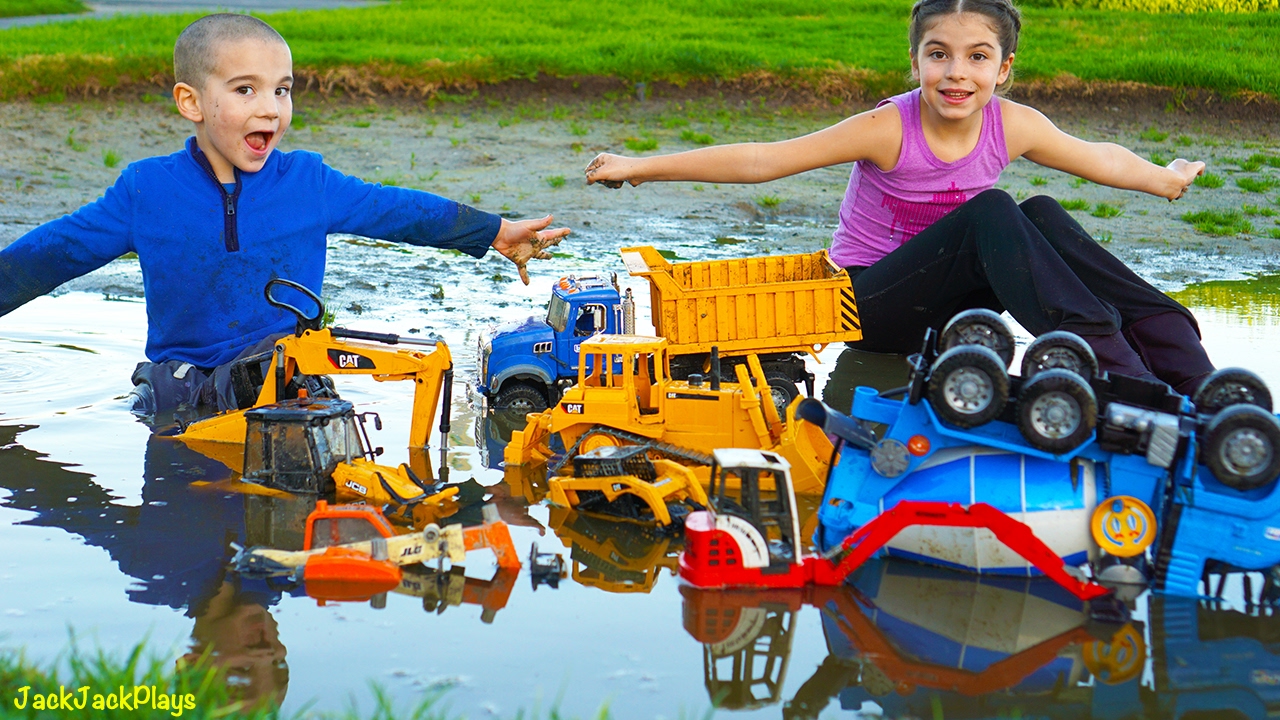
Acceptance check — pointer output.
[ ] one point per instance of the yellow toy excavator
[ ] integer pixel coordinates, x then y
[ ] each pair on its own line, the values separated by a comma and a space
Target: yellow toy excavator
302, 444
625, 396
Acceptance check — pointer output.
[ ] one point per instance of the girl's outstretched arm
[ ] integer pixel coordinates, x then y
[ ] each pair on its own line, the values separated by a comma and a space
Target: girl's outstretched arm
1030, 134
875, 135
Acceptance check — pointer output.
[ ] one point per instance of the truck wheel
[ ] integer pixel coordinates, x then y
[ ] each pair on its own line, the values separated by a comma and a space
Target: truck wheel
521, 397
979, 326
1057, 410
1059, 349
1242, 447
1231, 386
783, 390
968, 385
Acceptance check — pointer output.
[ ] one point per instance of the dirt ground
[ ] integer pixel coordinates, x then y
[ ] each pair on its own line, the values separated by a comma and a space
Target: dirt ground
522, 155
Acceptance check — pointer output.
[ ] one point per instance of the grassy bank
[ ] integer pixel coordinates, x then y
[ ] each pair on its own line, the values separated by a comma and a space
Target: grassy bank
23, 8
423, 44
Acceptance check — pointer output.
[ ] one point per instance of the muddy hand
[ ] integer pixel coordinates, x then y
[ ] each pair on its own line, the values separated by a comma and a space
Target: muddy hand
608, 170
526, 240
1187, 174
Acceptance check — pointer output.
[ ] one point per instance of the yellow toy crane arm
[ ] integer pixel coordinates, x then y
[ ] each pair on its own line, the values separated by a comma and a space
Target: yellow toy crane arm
337, 351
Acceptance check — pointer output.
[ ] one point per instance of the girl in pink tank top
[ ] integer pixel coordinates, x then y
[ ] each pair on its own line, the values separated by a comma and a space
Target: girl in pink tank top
924, 234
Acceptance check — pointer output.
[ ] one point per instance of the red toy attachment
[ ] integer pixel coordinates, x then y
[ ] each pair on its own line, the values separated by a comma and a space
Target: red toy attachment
723, 550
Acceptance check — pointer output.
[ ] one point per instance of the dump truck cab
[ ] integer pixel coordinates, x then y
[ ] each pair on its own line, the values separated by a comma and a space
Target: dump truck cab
525, 364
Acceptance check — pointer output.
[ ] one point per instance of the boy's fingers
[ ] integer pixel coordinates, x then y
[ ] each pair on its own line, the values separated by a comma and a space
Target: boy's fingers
524, 274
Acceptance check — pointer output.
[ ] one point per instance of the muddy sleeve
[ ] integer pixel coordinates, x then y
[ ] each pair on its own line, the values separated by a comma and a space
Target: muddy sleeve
66, 248
405, 215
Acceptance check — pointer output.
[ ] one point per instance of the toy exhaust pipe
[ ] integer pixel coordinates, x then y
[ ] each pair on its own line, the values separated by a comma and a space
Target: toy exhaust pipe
834, 423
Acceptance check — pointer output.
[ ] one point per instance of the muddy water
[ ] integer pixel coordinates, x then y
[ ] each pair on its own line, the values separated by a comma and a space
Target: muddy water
106, 535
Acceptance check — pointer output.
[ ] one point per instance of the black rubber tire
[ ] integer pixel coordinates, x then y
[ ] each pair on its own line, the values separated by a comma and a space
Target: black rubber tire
1231, 386
979, 326
1242, 447
968, 386
520, 396
1059, 349
783, 390
1057, 410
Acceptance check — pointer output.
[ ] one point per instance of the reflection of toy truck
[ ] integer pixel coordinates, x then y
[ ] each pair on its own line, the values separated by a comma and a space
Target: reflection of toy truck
778, 308
629, 399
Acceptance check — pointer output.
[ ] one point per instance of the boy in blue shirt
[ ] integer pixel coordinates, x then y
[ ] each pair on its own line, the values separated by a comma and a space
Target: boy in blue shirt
213, 223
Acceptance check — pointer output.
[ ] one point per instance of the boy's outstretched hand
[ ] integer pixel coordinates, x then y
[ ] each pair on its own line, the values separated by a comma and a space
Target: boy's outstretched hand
524, 240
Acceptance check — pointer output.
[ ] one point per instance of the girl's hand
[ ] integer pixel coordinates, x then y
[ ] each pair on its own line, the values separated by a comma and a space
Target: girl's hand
525, 240
612, 170
1187, 172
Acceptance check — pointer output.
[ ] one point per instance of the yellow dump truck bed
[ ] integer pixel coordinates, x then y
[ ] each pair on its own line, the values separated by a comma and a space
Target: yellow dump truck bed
780, 303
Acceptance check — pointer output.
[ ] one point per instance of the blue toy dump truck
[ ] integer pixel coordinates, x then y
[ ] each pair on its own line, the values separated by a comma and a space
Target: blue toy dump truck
1120, 474
777, 308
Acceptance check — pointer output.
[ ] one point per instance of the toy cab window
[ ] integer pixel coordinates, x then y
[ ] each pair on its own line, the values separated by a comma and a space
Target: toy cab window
558, 313
590, 321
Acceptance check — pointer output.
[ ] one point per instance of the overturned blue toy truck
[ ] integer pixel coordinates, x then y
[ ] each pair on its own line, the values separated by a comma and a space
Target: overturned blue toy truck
1106, 470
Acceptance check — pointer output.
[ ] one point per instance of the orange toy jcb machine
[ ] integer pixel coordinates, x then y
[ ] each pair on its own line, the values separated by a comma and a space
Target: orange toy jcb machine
351, 552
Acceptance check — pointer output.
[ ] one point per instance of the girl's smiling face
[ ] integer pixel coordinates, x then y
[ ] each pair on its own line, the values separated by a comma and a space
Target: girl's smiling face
958, 65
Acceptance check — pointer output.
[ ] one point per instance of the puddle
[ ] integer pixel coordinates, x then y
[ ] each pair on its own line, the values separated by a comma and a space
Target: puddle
106, 534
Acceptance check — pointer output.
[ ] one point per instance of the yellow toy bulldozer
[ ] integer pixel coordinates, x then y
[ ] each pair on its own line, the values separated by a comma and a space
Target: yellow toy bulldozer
623, 483
625, 396
314, 444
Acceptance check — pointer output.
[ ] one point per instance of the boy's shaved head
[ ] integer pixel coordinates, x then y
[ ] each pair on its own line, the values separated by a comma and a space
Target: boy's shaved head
195, 54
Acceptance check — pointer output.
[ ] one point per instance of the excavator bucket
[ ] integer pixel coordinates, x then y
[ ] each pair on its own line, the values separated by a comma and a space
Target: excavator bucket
494, 535
531, 445
809, 451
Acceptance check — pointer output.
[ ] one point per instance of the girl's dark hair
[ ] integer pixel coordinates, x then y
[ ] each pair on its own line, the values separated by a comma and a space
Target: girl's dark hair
1005, 19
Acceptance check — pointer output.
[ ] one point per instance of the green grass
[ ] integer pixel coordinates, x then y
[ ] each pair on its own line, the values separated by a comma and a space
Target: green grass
697, 138
769, 202
1077, 204
644, 144
1151, 134
111, 158
1039, 181
1256, 210
1104, 210
1209, 180
1255, 185
1160, 159
429, 42
1274, 233
1183, 141
1219, 222
22, 8
556, 181
206, 691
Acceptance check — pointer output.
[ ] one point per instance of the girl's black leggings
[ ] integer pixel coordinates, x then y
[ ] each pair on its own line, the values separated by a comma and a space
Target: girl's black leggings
1033, 260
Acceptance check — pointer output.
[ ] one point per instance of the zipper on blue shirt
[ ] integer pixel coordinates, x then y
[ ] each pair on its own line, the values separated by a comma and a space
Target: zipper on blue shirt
229, 234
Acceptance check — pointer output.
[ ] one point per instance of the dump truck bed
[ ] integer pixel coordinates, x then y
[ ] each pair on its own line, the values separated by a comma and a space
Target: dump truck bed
780, 303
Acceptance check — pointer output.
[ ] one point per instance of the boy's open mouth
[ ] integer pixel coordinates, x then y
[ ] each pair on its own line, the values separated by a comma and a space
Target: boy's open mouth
956, 94
259, 140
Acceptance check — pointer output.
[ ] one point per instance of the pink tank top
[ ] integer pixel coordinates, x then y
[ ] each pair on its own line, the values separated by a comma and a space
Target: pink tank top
882, 210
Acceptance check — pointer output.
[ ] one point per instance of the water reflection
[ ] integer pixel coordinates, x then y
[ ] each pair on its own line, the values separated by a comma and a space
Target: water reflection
918, 641
1255, 300
175, 546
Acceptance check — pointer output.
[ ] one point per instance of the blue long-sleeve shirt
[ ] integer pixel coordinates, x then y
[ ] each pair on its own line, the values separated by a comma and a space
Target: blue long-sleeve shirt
207, 254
